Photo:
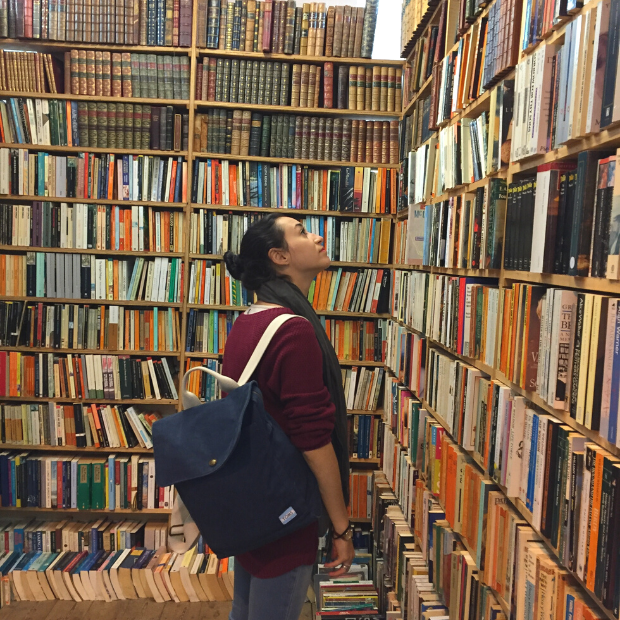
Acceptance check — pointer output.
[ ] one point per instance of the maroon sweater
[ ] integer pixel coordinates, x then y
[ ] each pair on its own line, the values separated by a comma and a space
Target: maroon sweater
290, 377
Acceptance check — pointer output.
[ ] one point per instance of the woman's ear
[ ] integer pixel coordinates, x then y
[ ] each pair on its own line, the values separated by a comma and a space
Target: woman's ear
279, 257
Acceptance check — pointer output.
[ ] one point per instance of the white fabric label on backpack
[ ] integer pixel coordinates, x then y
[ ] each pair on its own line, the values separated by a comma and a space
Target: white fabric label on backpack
287, 515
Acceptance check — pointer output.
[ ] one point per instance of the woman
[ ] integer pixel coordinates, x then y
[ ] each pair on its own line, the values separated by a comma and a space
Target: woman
301, 383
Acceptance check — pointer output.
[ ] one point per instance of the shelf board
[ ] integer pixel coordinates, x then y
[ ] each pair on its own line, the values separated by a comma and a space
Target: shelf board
599, 285
203, 51
151, 511
424, 268
4, 94
288, 160
99, 201
43, 45
476, 273
378, 412
202, 356
469, 187
286, 211
608, 139
92, 149
134, 353
365, 461
360, 363
334, 263
402, 215
96, 302
280, 109
96, 401
217, 307
88, 449
31, 248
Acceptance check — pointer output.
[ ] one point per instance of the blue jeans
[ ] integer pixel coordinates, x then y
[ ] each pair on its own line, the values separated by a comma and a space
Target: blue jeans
279, 598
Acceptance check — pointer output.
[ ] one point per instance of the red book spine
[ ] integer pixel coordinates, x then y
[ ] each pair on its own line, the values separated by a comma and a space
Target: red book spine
267, 25
328, 85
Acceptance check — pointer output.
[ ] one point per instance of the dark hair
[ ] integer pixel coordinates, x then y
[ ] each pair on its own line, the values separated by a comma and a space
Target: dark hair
252, 265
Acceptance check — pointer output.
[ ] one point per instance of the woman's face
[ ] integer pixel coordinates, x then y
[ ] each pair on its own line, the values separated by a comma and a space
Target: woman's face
306, 251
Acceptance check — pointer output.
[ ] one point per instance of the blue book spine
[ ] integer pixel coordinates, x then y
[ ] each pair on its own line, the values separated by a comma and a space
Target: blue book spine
260, 185
615, 384
529, 501
179, 181
41, 165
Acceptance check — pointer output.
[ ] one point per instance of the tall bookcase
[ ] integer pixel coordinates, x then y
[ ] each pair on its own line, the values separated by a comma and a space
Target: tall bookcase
421, 19
192, 106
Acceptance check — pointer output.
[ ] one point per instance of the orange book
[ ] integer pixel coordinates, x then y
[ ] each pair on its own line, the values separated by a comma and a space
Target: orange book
14, 386
102, 336
152, 332
68, 125
513, 336
460, 103
325, 284
340, 335
232, 185
356, 487
317, 290
328, 329
347, 297
451, 486
324, 204
173, 176
393, 190
526, 331
596, 513
505, 329
128, 227
111, 178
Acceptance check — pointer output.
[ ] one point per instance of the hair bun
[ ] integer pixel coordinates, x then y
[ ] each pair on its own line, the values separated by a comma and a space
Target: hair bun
234, 264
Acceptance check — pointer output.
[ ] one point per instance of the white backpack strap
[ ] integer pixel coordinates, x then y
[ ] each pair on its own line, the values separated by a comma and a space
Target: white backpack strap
262, 345
183, 532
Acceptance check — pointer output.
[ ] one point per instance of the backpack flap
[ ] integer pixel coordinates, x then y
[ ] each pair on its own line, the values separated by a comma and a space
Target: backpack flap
197, 442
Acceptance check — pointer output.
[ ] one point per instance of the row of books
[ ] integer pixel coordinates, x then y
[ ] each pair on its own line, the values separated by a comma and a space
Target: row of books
207, 330
91, 226
200, 383
541, 17
109, 575
360, 494
69, 326
364, 436
293, 186
83, 276
27, 72
463, 316
362, 341
211, 284
125, 22
34, 535
409, 298
85, 376
300, 137
359, 290
284, 28
274, 83
406, 356
568, 342
77, 425
467, 230
60, 482
420, 67
567, 219
362, 387
126, 75
576, 86
86, 175
55, 122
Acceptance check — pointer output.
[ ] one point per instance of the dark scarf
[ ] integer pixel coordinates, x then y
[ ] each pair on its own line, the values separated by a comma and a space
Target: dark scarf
286, 294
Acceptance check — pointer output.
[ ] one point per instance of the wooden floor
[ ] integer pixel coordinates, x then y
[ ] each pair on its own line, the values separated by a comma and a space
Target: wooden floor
122, 610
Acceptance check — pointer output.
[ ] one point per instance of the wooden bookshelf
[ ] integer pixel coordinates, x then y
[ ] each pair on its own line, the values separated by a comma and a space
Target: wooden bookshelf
320, 163
43, 45
99, 201
72, 449
61, 351
93, 149
95, 401
100, 99
292, 212
148, 253
287, 109
97, 302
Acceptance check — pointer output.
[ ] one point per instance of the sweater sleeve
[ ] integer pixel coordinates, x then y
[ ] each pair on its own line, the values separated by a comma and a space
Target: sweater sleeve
298, 372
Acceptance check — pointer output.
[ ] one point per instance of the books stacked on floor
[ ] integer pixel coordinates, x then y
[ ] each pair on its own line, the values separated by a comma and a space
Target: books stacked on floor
77, 425
36, 480
282, 27
106, 74
107, 177
83, 276
578, 85
207, 330
293, 186
561, 346
104, 574
201, 383
73, 326
569, 219
60, 122
246, 133
299, 85
86, 376
362, 387
211, 284
351, 290
91, 226
122, 22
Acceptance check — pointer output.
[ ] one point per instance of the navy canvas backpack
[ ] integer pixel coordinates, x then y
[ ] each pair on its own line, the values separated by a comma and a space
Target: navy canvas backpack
240, 481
